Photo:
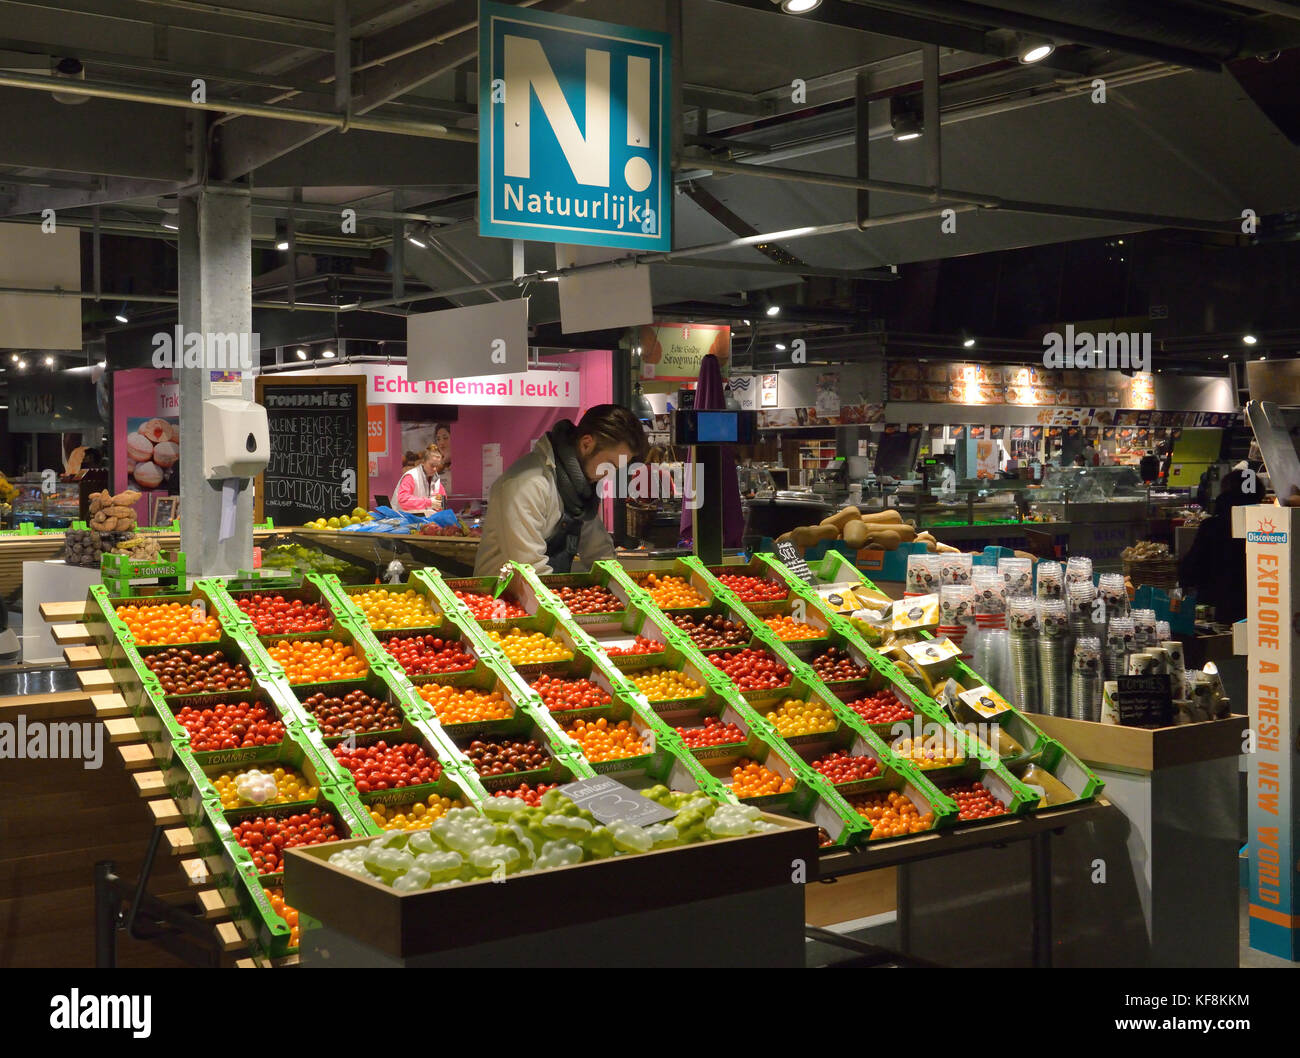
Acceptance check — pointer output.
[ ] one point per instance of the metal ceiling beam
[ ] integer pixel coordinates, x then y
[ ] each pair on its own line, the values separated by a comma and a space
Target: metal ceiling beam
34, 200
112, 139
766, 267
991, 17
411, 58
233, 23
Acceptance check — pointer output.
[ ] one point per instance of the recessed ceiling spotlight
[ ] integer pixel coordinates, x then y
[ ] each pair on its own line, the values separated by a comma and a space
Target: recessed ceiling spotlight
302, 354
969, 343
1225, 356
774, 309
328, 354
1249, 339
49, 361
798, 7
1034, 49
780, 347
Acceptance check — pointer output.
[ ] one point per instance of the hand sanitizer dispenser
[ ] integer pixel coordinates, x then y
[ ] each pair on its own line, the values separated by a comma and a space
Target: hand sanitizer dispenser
236, 441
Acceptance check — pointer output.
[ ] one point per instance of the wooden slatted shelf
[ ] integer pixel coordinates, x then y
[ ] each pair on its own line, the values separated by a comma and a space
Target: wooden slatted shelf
180, 841
137, 756
87, 657
108, 705
95, 680
63, 611
213, 905
165, 812
150, 783
196, 871
70, 633
228, 936
122, 729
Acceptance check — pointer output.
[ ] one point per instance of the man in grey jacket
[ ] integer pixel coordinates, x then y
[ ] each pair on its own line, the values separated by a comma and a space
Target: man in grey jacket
545, 509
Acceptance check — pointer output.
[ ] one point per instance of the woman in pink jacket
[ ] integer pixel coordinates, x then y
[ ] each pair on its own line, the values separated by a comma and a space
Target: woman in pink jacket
420, 489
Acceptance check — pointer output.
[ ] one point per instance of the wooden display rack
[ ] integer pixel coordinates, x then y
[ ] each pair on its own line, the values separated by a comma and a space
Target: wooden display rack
169, 831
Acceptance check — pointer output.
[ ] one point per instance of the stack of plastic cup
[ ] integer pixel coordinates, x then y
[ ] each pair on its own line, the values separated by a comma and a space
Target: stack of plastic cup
1018, 574
994, 662
1080, 598
1110, 588
956, 614
1163, 632
1022, 623
1077, 570
990, 608
1144, 629
922, 575
1054, 656
1086, 680
1119, 645
1051, 580
954, 569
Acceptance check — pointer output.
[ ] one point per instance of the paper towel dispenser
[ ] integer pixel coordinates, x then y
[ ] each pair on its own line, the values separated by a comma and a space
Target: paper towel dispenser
236, 441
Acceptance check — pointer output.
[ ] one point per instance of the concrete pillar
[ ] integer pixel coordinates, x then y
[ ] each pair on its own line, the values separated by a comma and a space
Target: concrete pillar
216, 292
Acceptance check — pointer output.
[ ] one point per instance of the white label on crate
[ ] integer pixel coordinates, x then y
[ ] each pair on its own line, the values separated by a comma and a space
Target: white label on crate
985, 701
932, 651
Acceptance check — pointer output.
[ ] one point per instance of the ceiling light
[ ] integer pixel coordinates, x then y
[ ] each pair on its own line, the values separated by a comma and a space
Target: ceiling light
1225, 356
416, 242
746, 323
905, 119
13, 358
1249, 339
121, 318
328, 354
799, 7
774, 309
49, 361
70, 69
302, 354
969, 343
1121, 242
1034, 49
282, 244
780, 347
21, 363
171, 225
1263, 357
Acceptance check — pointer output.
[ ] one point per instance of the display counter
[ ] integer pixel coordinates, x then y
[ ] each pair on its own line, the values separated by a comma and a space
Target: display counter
530, 670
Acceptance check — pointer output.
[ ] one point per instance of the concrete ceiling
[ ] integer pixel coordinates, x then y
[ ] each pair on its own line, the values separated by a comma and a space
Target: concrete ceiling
1170, 142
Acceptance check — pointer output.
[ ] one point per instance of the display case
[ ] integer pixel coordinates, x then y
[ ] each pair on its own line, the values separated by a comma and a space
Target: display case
1069, 493
54, 509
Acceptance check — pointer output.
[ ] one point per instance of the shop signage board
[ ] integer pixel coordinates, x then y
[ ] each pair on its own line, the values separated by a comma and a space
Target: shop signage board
390, 384
1273, 597
673, 352
319, 460
575, 145
52, 402
1144, 701
609, 800
788, 554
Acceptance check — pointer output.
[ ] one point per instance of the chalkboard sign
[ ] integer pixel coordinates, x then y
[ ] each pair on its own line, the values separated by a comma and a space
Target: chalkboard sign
608, 799
319, 465
1144, 701
787, 553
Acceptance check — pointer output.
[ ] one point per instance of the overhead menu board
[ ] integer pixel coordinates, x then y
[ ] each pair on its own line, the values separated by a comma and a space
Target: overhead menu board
318, 466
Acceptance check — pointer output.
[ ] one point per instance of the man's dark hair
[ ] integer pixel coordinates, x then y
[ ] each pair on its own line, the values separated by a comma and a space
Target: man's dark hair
610, 425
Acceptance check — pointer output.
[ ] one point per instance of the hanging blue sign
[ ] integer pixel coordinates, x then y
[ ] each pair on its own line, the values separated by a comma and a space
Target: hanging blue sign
573, 130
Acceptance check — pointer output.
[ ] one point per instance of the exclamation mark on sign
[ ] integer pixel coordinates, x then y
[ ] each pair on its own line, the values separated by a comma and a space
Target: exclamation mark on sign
566, 388
637, 170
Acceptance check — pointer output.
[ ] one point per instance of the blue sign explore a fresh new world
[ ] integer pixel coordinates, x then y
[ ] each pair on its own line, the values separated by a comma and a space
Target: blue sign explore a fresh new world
573, 130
